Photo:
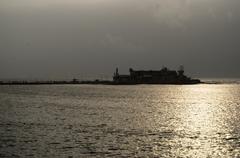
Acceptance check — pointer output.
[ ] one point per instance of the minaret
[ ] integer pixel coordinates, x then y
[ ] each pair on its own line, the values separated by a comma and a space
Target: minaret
181, 70
116, 73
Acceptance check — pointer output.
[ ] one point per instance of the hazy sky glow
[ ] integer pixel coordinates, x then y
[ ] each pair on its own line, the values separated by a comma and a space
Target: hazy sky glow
66, 38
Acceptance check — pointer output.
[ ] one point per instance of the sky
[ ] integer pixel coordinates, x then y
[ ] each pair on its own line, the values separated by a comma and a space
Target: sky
53, 39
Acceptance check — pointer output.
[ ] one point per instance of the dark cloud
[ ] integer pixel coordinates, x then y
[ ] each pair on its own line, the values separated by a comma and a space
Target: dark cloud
76, 38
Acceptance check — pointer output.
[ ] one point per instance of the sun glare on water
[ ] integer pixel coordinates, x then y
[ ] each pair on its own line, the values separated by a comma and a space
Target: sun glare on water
202, 121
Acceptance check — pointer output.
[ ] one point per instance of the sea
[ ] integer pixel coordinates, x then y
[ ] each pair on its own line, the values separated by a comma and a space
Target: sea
71, 121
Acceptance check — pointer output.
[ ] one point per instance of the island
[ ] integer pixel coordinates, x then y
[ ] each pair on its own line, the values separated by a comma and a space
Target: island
162, 76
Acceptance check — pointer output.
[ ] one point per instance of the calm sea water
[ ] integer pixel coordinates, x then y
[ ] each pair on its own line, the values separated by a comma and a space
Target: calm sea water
120, 121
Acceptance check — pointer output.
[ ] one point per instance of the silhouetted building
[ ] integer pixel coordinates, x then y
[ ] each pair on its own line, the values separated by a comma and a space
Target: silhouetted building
74, 80
163, 76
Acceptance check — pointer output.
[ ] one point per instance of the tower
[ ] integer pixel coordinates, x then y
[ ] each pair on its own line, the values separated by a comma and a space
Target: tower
181, 70
116, 73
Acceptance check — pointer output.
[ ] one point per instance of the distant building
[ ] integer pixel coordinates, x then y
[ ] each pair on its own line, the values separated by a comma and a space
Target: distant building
153, 77
74, 80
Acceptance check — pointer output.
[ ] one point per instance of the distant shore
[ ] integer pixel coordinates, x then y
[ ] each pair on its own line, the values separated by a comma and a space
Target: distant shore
54, 82
95, 82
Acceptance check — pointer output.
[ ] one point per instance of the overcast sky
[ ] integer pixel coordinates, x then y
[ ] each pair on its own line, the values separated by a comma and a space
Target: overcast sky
75, 38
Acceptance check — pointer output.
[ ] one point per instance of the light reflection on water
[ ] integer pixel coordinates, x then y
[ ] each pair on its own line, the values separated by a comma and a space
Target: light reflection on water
120, 121
203, 120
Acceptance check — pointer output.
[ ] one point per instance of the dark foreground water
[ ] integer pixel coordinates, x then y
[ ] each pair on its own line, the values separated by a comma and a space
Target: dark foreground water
120, 121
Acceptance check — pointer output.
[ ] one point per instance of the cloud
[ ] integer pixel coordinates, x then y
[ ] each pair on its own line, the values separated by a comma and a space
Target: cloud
147, 33
181, 13
118, 42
